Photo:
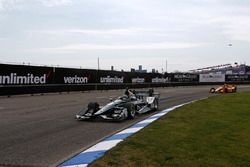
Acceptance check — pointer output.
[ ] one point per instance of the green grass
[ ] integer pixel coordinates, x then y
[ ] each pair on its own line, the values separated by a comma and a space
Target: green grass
211, 132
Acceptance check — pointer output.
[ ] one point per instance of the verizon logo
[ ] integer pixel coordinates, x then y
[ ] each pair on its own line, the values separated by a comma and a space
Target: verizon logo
75, 80
138, 80
13, 78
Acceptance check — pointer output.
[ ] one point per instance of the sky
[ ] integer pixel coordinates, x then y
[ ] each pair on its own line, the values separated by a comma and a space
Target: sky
165, 35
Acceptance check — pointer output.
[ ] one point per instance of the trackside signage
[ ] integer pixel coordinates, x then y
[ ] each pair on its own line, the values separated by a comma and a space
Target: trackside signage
138, 80
212, 77
75, 80
109, 79
34, 75
185, 78
160, 80
237, 78
14, 78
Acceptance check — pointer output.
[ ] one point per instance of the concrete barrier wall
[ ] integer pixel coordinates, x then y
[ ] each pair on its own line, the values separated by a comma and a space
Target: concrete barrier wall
22, 79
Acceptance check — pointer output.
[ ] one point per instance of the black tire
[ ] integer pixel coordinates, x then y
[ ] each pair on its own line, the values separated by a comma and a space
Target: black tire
93, 106
82, 111
131, 110
225, 90
156, 105
212, 90
150, 92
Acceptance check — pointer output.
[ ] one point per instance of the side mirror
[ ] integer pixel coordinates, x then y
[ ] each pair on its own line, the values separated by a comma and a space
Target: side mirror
111, 99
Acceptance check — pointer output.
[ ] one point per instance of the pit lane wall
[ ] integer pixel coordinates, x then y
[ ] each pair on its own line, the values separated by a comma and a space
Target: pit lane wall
23, 79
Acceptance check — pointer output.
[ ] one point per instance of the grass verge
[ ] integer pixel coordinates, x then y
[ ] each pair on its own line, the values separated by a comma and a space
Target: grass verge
211, 132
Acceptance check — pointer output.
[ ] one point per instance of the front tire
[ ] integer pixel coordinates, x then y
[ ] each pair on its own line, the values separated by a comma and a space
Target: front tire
92, 108
212, 90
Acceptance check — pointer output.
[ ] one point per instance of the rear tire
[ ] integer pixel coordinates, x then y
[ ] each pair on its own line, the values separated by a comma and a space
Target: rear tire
156, 105
131, 110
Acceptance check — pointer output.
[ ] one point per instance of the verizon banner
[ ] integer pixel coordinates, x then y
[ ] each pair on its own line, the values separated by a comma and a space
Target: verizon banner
212, 77
74, 76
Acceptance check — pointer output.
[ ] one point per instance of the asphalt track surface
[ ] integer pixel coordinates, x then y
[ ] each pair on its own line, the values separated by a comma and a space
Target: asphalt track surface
40, 130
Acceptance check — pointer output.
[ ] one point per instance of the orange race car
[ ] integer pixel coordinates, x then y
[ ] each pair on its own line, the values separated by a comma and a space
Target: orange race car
226, 88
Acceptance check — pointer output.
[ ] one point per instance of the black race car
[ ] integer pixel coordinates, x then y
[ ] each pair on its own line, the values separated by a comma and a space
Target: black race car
124, 107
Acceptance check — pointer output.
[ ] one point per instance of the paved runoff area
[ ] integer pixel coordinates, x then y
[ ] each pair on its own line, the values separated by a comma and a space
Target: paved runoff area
40, 130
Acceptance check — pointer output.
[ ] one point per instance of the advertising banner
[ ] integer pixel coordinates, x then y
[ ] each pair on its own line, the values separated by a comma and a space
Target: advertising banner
212, 77
37, 75
237, 78
159, 78
138, 78
75, 76
25, 75
111, 77
182, 77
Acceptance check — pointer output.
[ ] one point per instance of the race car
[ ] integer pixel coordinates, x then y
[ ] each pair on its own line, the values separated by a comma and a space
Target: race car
124, 107
226, 88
